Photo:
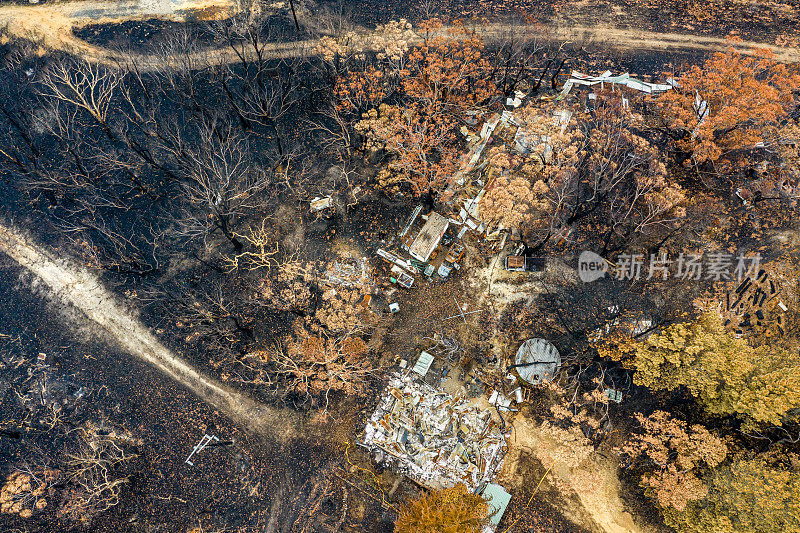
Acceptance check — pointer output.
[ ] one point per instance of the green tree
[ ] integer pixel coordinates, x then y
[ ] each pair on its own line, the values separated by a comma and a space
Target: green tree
726, 374
453, 510
747, 496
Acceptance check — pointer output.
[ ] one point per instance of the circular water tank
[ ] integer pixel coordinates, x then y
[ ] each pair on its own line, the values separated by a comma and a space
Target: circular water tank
537, 361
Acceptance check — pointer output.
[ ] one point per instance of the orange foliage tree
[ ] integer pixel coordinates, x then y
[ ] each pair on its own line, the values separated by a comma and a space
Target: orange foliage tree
730, 104
312, 365
680, 454
434, 85
588, 177
453, 510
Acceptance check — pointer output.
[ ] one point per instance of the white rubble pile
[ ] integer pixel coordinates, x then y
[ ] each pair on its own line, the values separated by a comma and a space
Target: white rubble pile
433, 438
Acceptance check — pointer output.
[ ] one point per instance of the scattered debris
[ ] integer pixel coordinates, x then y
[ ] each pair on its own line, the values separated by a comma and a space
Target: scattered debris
393, 258
322, 204
402, 278
433, 438
348, 271
614, 395
200, 446
423, 364
578, 78
520, 263
444, 270
498, 500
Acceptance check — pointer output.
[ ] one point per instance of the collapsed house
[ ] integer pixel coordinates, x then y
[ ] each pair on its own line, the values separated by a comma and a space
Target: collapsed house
349, 271
436, 440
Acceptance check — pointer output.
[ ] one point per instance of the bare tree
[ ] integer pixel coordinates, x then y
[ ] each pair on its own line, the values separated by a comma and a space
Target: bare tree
221, 183
94, 481
261, 90
84, 85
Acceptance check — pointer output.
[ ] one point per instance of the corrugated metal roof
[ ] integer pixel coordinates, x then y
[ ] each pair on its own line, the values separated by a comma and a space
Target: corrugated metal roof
429, 237
423, 364
498, 500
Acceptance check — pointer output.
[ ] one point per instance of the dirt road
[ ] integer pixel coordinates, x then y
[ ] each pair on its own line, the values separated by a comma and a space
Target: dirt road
52, 24
82, 290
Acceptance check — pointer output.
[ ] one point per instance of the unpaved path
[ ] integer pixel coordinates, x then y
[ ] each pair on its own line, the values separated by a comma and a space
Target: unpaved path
85, 292
52, 24
589, 483
627, 39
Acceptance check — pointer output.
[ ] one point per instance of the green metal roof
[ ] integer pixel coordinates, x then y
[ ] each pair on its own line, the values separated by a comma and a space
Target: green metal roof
498, 500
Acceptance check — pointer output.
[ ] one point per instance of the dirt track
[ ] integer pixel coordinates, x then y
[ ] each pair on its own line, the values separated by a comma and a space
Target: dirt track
81, 289
52, 25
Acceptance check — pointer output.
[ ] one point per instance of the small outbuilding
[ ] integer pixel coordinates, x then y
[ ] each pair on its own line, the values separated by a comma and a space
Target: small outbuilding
429, 236
537, 361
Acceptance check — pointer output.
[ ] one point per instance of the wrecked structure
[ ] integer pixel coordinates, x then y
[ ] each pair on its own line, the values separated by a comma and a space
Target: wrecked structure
436, 440
758, 304
473, 181
348, 271
625, 80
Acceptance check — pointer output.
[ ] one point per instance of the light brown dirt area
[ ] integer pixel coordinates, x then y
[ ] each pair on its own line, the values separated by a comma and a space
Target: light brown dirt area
52, 25
586, 485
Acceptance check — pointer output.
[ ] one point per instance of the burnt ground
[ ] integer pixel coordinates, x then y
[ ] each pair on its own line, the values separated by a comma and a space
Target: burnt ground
143, 35
761, 21
227, 487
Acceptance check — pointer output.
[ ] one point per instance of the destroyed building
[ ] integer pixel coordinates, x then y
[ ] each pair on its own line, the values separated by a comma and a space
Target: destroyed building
625, 80
348, 270
436, 440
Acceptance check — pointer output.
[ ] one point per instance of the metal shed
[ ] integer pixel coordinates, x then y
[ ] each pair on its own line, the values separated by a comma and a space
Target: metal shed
429, 237
537, 361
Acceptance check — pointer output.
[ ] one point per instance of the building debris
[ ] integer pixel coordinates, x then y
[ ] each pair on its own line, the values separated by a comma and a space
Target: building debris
498, 500
322, 204
433, 438
757, 303
516, 101
402, 263
614, 395
200, 446
625, 79
401, 277
348, 271
423, 364
411, 220
521, 263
